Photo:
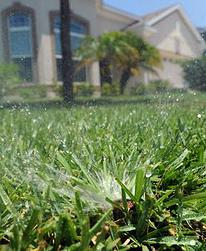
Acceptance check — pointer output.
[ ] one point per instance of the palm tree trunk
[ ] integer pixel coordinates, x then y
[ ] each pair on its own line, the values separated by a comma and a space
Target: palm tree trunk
124, 79
67, 61
105, 71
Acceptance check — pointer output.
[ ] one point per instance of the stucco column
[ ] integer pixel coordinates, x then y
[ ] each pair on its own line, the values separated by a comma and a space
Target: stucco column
94, 77
45, 46
45, 60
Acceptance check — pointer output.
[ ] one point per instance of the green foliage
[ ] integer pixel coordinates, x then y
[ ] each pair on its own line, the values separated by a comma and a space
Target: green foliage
9, 76
79, 89
126, 177
83, 89
110, 89
30, 92
195, 73
158, 86
66, 231
153, 87
139, 89
38, 92
127, 53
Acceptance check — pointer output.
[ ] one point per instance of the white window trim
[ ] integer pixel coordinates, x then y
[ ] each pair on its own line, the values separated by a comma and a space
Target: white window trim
57, 31
21, 56
23, 28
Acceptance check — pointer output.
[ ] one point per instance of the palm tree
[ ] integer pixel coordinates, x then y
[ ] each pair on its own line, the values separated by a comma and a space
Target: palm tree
128, 54
105, 71
67, 62
140, 56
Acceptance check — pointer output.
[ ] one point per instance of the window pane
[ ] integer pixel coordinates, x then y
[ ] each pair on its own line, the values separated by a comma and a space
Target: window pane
57, 23
58, 44
19, 26
80, 76
19, 20
75, 42
25, 68
20, 43
78, 27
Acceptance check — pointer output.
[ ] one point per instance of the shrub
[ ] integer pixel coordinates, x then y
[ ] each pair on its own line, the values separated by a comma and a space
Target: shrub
139, 89
115, 89
158, 86
110, 89
83, 89
195, 73
106, 89
79, 89
58, 89
150, 88
9, 76
30, 92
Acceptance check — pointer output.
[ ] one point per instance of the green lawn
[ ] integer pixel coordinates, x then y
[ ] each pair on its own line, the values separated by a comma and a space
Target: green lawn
108, 174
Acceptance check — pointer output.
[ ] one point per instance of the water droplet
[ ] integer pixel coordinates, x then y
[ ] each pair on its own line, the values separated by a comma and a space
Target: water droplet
192, 242
148, 174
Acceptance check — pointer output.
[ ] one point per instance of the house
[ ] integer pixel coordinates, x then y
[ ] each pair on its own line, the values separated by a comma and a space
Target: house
168, 29
176, 38
30, 37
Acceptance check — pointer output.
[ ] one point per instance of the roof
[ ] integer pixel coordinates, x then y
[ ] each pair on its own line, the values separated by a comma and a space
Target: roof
157, 16
130, 25
115, 11
152, 18
154, 14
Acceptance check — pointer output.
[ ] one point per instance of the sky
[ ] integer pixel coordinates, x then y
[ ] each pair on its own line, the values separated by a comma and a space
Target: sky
195, 9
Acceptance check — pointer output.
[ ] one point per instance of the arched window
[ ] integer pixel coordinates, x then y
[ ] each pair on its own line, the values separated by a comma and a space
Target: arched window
79, 29
20, 42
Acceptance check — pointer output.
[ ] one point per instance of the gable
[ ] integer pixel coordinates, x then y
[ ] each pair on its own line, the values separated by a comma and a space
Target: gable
175, 35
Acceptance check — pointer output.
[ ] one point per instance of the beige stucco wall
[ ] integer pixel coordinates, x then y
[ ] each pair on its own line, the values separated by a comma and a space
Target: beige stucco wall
169, 30
173, 73
174, 27
109, 19
107, 24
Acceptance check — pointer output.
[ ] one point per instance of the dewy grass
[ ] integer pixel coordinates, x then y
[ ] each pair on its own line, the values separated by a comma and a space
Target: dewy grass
125, 176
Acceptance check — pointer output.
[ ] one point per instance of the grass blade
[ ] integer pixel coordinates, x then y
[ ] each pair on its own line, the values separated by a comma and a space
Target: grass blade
139, 183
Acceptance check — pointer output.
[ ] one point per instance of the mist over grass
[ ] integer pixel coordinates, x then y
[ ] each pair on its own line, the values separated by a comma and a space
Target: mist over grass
64, 166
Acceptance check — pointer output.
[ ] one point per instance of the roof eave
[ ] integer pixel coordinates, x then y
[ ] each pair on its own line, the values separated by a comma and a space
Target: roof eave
171, 10
115, 11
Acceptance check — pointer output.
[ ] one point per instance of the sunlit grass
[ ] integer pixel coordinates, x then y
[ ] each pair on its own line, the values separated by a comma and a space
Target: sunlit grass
84, 160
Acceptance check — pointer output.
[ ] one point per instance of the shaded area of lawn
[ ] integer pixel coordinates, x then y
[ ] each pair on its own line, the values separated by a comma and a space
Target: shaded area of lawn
166, 98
